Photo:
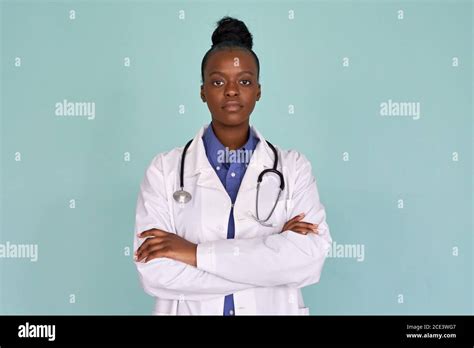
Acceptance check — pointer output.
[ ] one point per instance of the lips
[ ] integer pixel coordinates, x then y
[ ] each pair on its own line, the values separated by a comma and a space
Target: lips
232, 106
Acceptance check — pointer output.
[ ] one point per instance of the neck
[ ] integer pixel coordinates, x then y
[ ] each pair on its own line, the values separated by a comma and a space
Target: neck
232, 137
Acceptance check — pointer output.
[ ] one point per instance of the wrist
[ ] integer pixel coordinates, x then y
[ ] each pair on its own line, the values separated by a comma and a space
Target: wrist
194, 255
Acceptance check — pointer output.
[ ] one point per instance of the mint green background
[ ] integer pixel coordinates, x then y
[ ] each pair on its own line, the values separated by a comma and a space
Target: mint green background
81, 251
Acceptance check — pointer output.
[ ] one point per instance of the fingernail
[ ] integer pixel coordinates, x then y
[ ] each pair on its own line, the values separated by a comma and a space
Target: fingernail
302, 214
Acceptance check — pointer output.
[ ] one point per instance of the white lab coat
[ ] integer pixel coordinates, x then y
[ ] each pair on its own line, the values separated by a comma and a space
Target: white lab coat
262, 267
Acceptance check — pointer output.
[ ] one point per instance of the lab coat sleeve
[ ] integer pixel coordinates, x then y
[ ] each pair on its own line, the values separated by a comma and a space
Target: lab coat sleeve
286, 258
163, 277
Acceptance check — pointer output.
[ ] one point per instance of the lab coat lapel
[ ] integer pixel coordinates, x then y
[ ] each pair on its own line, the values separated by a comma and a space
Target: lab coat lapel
196, 163
262, 158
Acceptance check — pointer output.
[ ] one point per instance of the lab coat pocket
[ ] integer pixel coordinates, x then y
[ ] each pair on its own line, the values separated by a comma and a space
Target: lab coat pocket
279, 216
276, 221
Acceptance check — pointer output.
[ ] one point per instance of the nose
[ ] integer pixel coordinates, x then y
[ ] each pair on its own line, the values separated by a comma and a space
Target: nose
231, 89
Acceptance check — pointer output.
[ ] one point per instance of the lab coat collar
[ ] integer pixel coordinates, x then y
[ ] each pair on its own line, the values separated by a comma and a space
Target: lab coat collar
213, 147
196, 162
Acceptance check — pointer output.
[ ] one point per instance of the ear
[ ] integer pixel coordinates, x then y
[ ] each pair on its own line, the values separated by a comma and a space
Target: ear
203, 96
259, 93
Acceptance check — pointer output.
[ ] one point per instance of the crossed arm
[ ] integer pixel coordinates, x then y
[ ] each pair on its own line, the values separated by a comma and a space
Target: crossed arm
171, 267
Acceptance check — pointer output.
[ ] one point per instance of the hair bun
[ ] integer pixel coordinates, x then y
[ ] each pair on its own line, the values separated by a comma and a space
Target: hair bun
232, 29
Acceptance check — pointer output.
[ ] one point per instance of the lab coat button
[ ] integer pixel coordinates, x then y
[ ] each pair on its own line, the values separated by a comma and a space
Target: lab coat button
231, 312
232, 174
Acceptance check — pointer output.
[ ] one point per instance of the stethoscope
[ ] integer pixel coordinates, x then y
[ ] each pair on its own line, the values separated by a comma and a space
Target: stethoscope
182, 197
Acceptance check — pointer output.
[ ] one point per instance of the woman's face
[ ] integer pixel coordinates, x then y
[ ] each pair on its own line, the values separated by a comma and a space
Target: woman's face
230, 86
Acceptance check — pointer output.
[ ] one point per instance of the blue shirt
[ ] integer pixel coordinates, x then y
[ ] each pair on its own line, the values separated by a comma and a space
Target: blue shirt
230, 167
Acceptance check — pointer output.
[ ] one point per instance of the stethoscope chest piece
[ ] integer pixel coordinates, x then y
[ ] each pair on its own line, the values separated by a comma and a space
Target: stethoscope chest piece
182, 196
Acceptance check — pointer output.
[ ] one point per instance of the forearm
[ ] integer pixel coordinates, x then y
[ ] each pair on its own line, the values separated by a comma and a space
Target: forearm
170, 279
287, 258
169, 272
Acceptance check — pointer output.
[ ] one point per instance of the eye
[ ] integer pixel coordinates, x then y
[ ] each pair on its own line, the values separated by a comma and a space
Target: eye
213, 82
249, 82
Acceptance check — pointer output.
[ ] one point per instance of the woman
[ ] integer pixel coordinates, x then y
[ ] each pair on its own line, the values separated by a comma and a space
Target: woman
210, 255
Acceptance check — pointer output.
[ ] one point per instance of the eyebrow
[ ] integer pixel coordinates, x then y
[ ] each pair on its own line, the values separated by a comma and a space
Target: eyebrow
240, 73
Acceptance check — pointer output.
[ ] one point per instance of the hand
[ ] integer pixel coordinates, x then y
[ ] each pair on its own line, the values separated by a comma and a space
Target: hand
165, 244
295, 225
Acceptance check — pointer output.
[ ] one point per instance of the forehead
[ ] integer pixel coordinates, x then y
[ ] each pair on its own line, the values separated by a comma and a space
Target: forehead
231, 61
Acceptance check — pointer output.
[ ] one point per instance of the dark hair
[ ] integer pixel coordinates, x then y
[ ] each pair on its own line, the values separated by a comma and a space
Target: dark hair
230, 33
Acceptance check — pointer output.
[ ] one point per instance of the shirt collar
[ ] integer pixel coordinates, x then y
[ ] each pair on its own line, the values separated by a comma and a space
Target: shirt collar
213, 145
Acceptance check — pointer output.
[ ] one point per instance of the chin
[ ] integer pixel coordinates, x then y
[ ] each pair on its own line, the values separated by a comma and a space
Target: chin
232, 119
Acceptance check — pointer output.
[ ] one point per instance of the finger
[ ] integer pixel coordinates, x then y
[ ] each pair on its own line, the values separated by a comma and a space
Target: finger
303, 230
154, 255
152, 233
290, 222
304, 226
310, 226
147, 245
296, 218
288, 226
162, 247
147, 242
157, 250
